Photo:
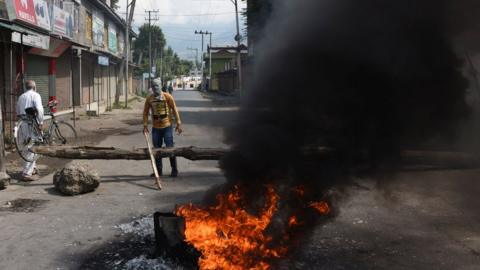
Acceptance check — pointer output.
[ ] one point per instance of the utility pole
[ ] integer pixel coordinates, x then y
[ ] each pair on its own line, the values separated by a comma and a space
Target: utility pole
238, 38
129, 18
150, 19
201, 33
210, 60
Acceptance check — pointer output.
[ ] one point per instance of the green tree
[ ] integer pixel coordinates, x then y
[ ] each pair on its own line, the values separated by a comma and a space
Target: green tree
171, 65
142, 44
165, 59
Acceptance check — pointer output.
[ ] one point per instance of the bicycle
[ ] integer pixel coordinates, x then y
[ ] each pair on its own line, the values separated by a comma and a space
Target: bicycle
27, 133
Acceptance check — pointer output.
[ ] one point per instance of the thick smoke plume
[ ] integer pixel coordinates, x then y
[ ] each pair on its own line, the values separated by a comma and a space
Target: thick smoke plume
366, 78
358, 76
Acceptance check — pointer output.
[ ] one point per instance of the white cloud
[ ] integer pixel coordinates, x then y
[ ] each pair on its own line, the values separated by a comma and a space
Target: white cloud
178, 20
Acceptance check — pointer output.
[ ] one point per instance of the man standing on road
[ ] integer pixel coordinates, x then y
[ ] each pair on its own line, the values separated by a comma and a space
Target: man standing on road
163, 109
32, 102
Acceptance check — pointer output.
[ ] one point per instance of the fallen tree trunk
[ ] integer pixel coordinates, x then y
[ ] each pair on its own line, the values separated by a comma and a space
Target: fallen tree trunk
109, 153
428, 158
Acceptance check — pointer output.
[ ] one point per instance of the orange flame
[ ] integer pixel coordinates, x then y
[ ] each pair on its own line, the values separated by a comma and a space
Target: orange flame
228, 237
293, 221
322, 207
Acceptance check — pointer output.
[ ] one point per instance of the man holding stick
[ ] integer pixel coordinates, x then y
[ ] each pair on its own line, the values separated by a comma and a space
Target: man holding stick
163, 108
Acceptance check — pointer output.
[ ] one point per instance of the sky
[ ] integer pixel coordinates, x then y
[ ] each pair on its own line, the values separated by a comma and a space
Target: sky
180, 18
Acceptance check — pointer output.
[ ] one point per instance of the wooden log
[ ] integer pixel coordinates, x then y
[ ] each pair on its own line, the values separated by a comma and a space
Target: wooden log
408, 158
110, 153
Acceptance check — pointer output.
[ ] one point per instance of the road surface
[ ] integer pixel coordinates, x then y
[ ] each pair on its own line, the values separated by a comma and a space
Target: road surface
419, 220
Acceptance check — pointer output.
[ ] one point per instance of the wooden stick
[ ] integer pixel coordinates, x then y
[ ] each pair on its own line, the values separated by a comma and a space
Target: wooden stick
152, 160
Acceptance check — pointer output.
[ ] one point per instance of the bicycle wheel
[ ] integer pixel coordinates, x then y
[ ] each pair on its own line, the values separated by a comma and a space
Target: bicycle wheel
63, 134
26, 136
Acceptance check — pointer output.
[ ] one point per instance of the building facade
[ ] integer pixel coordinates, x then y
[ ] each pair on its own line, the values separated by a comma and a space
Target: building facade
73, 49
224, 67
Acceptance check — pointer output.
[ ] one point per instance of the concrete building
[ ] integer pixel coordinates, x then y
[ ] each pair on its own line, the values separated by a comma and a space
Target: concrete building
224, 66
73, 49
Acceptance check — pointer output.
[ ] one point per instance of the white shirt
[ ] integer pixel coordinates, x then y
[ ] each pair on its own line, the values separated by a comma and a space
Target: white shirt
30, 99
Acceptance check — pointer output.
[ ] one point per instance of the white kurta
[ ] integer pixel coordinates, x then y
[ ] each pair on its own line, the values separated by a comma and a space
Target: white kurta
29, 99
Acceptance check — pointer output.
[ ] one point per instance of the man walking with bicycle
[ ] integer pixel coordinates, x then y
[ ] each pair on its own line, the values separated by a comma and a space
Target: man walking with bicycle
29, 104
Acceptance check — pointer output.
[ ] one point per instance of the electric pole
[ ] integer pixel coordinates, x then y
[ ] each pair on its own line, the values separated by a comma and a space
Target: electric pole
129, 18
150, 19
238, 38
210, 60
201, 66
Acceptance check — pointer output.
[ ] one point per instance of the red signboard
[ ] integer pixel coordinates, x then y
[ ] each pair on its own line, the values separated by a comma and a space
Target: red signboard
25, 11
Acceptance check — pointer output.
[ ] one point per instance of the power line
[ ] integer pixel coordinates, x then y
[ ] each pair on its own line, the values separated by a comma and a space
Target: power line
186, 15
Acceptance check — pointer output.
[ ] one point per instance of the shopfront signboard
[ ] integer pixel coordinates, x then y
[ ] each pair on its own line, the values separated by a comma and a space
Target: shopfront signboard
112, 40
102, 60
63, 22
42, 14
98, 30
34, 40
25, 11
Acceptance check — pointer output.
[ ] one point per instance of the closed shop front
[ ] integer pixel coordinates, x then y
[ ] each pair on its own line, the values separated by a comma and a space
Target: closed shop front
111, 85
36, 69
88, 65
63, 81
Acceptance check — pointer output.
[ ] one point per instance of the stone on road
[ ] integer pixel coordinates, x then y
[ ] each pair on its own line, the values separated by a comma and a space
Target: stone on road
75, 179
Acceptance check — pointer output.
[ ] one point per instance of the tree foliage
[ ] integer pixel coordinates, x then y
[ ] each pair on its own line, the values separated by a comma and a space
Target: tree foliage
171, 65
142, 42
165, 59
256, 15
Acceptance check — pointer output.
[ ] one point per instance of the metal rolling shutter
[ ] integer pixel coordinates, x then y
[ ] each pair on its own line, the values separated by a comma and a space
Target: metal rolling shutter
37, 70
87, 79
63, 81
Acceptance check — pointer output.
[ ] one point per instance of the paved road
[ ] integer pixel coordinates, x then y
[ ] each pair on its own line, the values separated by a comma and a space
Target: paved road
419, 220
61, 231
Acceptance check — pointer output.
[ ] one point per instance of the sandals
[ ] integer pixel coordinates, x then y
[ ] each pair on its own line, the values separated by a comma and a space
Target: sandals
28, 178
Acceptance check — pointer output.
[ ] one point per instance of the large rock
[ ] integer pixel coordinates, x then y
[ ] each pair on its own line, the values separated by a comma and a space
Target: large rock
76, 179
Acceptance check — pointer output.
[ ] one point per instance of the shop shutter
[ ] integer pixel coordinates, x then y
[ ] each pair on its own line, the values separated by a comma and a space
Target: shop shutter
37, 70
63, 81
87, 79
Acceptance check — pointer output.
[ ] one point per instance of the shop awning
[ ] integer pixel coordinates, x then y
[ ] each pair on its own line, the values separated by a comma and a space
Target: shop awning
16, 28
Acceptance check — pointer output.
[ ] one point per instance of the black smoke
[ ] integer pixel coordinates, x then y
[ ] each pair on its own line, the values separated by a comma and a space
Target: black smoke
366, 78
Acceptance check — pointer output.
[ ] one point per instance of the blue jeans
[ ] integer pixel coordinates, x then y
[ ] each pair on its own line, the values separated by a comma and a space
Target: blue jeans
159, 136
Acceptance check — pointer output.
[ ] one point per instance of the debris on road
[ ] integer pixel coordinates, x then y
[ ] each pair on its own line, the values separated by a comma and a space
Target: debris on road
76, 179
142, 262
23, 205
142, 227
